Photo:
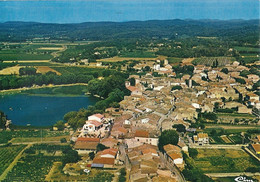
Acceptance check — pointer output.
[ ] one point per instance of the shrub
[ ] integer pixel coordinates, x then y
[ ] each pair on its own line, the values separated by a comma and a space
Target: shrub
193, 152
63, 140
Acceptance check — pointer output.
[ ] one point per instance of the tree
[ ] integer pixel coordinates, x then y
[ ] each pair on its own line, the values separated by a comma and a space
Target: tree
132, 81
91, 155
193, 152
70, 156
224, 70
63, 140
168, 137
179, 127
27, 71
240, 80
101, 147
69, 115
177, 87
122, 177
2, 120
59, 125
213, 132
244, 73
210, 116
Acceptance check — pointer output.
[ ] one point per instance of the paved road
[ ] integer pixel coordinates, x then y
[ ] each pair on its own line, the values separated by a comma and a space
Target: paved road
122, 148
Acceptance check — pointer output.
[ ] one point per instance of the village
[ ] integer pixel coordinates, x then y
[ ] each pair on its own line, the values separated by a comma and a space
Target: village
128, 136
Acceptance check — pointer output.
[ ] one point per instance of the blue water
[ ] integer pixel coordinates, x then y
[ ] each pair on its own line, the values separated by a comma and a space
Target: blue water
41, 111
126, 10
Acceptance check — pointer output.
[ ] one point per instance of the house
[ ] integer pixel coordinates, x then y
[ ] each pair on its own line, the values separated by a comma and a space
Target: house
252, 96
255, 148
201, 139
92, 125
244, 109
96, 117
118, 132
105, 158
135, 90
143, 137
86, 145
109, 142
253, 78
173, 154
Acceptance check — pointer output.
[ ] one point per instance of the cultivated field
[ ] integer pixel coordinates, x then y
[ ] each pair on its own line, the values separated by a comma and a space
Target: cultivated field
187, 61
224, 160
50, 48
6, 136
45, 69
29, 51
7, 155
11, 70
118, 59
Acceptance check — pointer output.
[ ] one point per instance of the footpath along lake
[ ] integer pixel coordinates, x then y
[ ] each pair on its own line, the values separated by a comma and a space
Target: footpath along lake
25, 109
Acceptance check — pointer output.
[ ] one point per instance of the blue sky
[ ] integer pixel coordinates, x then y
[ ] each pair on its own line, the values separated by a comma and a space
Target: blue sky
126, 10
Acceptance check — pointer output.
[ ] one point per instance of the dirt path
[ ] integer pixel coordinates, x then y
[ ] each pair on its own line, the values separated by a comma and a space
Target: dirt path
53, 169
230, 127
10, 167
219, 175
46, 86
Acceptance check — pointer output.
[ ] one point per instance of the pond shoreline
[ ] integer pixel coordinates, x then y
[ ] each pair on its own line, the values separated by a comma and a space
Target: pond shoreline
19, 90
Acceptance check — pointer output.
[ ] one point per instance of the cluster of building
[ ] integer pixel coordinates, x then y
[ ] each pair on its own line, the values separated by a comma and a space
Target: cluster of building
131, 132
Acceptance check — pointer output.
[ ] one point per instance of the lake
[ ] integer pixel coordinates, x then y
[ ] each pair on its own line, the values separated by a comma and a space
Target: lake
25, 109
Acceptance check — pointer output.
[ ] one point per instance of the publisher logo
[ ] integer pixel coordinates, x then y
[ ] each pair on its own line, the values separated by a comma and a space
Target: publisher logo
243, 179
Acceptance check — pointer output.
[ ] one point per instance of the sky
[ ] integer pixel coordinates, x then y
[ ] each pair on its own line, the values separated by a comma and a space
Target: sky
126, 10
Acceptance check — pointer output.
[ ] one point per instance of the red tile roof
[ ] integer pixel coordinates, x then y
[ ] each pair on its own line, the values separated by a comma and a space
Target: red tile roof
141, 133
88, 139
85, 145
175, 156
98, 115
132, 88
99, 160
96, 123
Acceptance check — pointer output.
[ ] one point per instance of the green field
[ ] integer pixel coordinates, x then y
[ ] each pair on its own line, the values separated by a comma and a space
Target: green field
235, 115
75, 69
173, 60
224, 160
247, 49
7, 155
38, 64
32, 168
15, 52
5, 136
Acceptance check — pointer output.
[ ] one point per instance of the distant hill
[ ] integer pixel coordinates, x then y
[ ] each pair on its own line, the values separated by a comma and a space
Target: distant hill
21, 31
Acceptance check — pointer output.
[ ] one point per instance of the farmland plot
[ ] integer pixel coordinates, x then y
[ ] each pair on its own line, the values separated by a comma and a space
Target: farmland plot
7, 155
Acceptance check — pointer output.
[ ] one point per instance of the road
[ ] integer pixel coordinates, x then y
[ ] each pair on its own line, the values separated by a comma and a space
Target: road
173, 169
219, 175
235, 147
122, 148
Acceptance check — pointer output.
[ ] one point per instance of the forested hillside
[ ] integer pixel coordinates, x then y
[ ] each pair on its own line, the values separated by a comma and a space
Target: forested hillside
240, 30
